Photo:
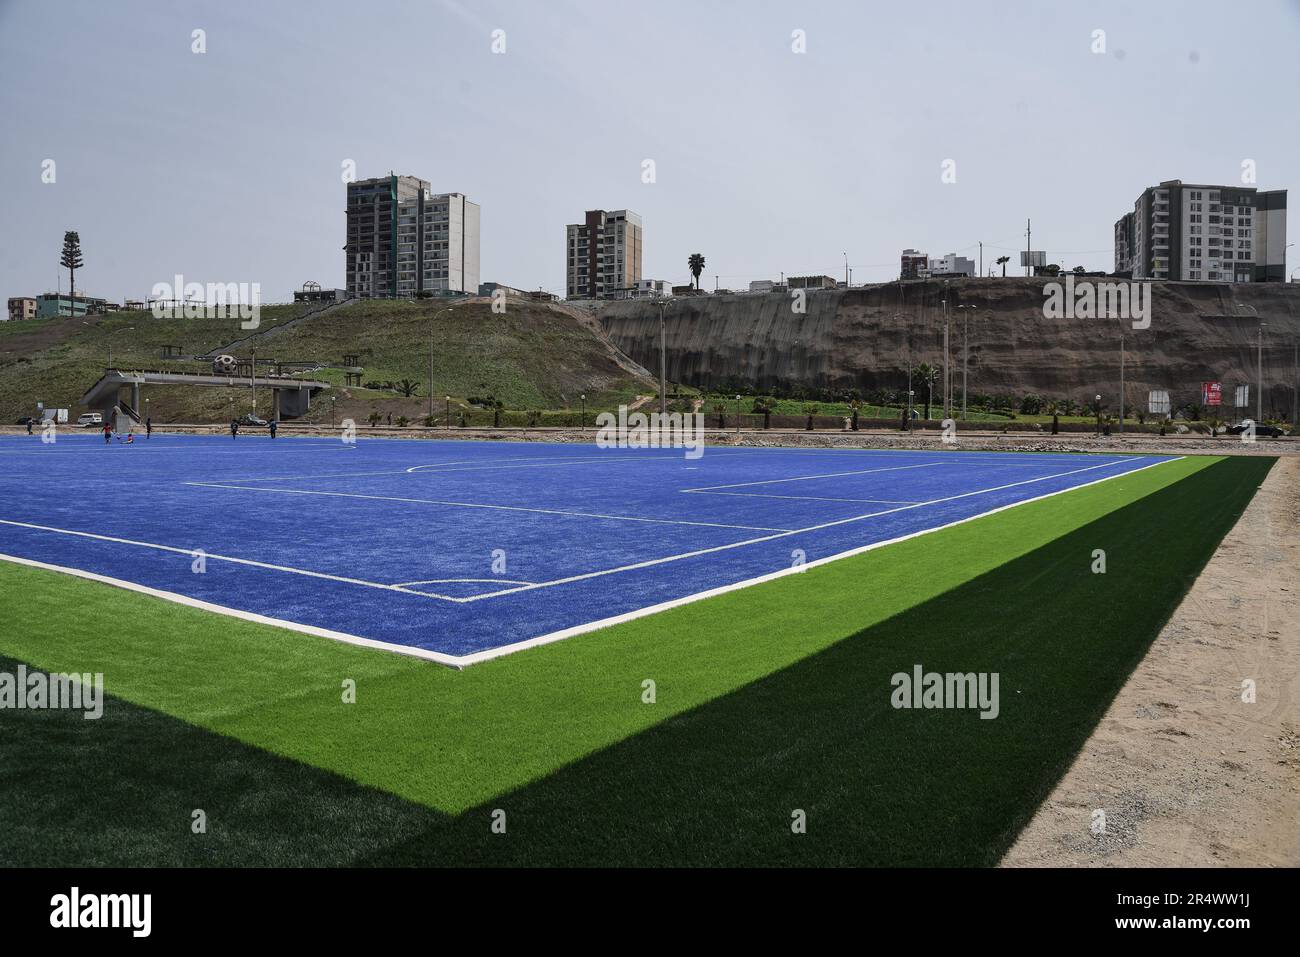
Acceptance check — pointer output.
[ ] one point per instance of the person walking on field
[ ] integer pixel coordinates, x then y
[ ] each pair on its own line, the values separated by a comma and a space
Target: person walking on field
108, 432
275, 424
234, 428
148, 427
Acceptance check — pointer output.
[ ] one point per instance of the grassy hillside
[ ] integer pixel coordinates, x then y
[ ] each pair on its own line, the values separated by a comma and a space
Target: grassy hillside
533, 356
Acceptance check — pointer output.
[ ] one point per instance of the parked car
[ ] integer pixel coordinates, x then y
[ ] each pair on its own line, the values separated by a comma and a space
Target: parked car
1272, 431
28, 420
252, 420
90, 420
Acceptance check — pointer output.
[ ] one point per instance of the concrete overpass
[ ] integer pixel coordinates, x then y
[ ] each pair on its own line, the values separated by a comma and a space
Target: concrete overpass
290, 397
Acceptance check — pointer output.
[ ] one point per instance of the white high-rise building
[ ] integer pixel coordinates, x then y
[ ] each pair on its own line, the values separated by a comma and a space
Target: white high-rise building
1185, 232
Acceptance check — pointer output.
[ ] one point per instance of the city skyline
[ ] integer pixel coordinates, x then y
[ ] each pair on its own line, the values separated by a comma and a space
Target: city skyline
765, 159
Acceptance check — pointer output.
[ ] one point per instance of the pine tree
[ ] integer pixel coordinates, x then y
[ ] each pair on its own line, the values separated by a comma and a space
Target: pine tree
71, 260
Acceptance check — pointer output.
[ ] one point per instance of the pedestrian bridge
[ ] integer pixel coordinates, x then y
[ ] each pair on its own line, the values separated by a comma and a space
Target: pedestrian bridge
290, 397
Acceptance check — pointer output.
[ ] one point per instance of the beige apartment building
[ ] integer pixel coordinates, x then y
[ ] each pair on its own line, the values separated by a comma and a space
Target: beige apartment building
603, 254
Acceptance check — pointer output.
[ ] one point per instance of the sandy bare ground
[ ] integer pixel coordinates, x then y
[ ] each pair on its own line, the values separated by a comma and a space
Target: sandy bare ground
1187, 773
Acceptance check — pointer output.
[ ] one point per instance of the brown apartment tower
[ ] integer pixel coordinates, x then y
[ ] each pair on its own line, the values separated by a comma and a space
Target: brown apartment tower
603, 254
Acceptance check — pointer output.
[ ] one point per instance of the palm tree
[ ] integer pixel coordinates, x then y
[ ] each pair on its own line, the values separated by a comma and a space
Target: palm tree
927, 374
497, 406
855, 406
1002, 261
696, 263
407, 387
721, 409
71, 261
765, 406
812, 409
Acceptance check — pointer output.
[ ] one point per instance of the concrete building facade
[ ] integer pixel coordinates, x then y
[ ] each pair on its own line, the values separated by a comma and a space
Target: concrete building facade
952, 265
404, 240
1192, 233
51, 305
603, 254
915, 265
22, 307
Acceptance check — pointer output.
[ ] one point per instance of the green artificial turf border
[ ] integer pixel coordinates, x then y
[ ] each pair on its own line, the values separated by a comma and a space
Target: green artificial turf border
452, 740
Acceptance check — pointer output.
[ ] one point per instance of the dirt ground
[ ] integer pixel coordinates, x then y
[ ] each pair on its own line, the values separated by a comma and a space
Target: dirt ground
1186, 772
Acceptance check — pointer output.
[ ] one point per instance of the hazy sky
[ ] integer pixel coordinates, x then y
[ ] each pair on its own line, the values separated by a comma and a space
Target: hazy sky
226, 166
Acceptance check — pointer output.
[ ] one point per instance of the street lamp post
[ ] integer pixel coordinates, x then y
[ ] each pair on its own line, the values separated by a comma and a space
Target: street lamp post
663, 357
1259, 382
1121, 383
737, 415
582, 420
448, 412
965, 354
946, 380
1097, 403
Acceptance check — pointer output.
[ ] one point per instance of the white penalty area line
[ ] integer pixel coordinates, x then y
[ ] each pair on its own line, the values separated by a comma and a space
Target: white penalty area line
505, 508
194, 553
487, 655
451, 661
649, 563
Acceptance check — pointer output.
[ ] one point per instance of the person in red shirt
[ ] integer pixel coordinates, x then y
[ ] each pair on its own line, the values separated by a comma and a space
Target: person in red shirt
108, 432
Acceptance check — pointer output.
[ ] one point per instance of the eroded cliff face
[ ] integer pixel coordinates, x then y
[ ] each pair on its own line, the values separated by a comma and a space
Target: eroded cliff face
862, 338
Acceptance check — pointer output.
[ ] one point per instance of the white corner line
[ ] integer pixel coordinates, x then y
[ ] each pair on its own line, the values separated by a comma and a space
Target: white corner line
452, 661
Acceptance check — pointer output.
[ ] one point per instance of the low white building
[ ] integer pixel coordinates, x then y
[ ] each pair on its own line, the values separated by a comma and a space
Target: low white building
645, 289
952, 265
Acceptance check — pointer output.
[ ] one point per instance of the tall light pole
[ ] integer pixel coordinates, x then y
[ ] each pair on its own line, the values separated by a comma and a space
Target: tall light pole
1121, 383
737, 415
582, 421
965, 354
1259, 382
1097, 402
448, 412
846, 270
946, 379
663, 357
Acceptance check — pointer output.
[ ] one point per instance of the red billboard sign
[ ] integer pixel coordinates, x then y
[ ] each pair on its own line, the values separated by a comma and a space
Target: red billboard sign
1211, 393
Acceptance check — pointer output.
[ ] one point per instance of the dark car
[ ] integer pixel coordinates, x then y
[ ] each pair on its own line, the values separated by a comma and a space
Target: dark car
252, 420
1272, 431
28, 420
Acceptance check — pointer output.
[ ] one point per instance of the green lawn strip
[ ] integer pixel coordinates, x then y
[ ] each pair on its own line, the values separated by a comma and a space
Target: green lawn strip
122, 791
882, 786
451, 740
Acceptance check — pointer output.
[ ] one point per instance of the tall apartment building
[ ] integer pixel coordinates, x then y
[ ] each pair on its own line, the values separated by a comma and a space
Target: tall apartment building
1124, 244
1188, 232
402, 239
603, 254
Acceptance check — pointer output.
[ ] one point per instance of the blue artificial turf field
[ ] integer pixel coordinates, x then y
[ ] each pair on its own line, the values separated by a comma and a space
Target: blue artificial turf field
458, 550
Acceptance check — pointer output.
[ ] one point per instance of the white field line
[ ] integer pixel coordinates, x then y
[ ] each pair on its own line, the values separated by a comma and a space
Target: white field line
462, 661
451, 661
785, 534
505, 508
195, 552
810, 498
448, 467
442, 581
809, 478
465, 661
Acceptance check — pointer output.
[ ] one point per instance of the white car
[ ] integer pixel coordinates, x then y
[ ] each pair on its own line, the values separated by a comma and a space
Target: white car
88, 420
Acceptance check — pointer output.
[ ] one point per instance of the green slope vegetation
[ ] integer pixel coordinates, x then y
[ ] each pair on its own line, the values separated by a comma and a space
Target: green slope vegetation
55, 360
533, 356
768, 699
